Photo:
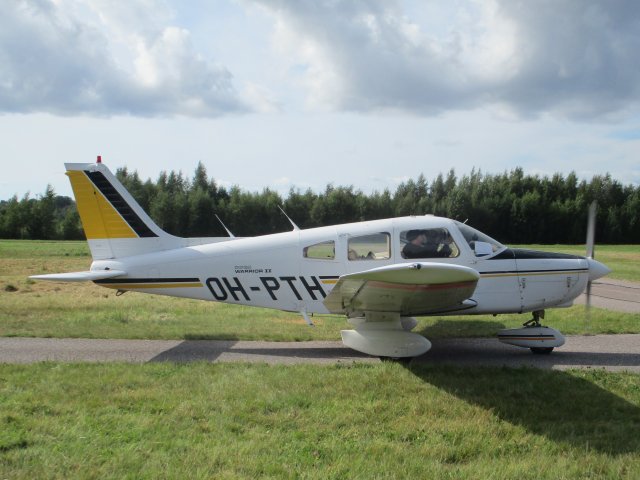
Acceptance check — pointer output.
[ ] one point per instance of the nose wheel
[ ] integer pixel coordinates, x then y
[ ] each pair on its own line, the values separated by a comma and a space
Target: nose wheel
539, 339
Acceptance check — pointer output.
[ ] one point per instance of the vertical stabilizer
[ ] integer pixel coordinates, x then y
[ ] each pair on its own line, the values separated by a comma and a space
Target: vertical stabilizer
114, 223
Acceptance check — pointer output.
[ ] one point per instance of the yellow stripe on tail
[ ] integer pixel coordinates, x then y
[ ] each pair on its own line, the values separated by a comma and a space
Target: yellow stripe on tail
99, 218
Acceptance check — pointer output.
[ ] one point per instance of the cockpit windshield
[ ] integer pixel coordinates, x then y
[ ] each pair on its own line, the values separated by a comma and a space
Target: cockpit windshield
481, 244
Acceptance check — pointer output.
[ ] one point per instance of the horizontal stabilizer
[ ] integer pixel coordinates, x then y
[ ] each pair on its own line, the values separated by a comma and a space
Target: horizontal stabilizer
88, 276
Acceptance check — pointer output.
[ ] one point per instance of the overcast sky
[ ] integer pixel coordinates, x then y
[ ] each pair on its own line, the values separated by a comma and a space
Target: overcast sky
275, 93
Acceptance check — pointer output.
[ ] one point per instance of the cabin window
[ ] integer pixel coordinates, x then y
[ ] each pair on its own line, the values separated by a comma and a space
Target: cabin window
428, 243
321, 251
375, 246
481, 244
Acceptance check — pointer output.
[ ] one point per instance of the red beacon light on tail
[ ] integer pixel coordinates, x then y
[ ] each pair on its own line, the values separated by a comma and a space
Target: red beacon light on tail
99, 160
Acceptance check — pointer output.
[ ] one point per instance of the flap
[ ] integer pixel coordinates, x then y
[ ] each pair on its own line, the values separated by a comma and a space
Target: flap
407, 289
80, 276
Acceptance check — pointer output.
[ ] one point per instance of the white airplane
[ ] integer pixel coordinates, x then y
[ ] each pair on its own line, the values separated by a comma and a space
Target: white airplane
379, 274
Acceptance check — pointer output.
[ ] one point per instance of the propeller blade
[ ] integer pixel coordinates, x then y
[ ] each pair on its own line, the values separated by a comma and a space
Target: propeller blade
591, 229
587, 316
591, 234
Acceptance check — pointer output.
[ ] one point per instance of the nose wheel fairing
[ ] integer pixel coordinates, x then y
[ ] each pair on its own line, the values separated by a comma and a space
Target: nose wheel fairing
533, 335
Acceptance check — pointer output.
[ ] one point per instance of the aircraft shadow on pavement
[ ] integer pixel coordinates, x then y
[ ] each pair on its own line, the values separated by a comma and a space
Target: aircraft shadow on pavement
558, 405
218, 336
195, 350
210, 351
445, 327
490, 352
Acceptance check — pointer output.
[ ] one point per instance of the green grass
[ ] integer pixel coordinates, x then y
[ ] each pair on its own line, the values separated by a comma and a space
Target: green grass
45, 309
233, 421
27, 249
199, 420
92, 312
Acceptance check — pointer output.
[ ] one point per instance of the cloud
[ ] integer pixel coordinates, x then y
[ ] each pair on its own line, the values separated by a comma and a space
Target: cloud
578, 58
367, 55
573, 59
103, 58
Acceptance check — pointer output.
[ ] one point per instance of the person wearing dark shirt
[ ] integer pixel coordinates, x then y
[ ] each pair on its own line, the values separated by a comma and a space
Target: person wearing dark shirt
426, 244
416, 246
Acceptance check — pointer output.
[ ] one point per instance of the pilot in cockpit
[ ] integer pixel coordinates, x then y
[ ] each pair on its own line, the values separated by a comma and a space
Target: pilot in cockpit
415, 248
431, 243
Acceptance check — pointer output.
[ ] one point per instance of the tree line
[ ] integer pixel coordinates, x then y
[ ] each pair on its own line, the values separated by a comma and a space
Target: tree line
512, 207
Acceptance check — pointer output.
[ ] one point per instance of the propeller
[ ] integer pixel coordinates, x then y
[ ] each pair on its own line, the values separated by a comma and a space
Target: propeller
591, 234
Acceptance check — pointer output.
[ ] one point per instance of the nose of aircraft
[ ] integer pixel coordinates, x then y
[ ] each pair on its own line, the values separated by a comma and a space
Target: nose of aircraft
597, 269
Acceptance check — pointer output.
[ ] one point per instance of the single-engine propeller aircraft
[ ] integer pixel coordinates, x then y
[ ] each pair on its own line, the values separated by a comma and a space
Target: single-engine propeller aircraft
379, 274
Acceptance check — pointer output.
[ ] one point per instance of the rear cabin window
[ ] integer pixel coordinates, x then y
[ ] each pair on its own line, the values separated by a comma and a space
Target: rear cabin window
375, 246
321, 251
428, 243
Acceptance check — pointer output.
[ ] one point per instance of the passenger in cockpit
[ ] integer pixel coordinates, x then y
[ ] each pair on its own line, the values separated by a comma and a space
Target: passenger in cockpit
443, 243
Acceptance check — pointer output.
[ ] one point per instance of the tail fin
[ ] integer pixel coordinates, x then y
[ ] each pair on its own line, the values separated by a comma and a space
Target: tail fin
114, 223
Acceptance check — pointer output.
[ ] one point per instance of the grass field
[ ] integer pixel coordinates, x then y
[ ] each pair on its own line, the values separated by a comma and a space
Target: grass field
45, 309
347, 421
200, 420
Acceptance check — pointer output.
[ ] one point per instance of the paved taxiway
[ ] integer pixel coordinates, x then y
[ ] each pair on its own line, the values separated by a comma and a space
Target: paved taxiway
618, 295
610, 352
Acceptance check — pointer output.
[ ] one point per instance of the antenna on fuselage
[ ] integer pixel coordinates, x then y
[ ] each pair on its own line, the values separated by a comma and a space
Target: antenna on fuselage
295, 227
224, 226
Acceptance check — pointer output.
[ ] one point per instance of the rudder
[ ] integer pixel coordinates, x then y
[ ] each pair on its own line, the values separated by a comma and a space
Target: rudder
114, 223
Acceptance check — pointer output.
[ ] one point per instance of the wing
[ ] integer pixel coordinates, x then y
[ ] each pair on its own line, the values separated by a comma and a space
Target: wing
408, 289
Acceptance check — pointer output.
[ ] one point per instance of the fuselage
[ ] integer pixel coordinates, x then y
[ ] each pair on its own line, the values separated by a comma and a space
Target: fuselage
295, 270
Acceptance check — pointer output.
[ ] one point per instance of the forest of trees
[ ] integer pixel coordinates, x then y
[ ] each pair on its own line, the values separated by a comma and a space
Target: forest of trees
512, 207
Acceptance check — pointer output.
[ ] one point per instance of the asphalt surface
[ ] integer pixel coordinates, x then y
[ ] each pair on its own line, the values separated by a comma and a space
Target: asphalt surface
617, 295
610, 352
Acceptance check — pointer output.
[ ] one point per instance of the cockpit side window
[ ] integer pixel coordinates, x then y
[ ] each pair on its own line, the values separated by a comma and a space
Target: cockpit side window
428, 243
482, 245
375, 246
320, 251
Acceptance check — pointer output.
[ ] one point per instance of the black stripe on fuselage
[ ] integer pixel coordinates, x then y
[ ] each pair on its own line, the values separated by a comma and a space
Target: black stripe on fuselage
524, 254
525, 272
124, 281
122, 207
